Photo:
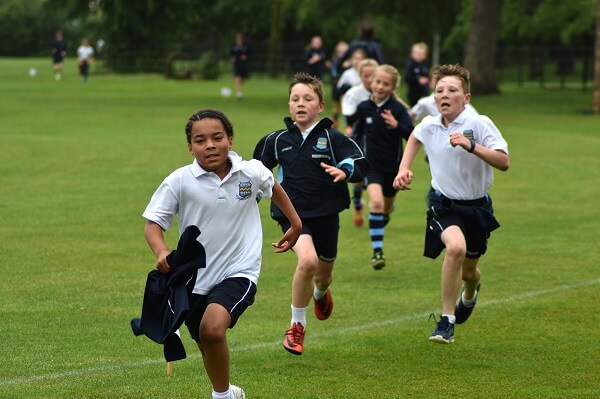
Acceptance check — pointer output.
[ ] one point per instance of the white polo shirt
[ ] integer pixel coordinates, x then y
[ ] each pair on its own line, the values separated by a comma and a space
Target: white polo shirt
349, 77
354, 96
455, 172
226, 212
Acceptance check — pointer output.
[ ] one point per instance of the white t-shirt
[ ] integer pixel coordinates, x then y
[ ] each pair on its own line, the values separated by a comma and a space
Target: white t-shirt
226, 212
426, 106
455, 172
349, 77
84, 53
354, 96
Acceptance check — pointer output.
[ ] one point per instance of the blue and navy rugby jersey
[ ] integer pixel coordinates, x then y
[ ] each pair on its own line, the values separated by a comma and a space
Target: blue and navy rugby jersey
311, 190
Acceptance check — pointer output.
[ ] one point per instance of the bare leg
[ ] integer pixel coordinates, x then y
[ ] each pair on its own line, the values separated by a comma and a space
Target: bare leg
471, 276
302, 284
456, 249
213, 345
324, 275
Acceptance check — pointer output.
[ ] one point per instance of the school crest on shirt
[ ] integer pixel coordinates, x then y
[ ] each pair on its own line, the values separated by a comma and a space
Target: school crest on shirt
244, 190
322, 144
469, 134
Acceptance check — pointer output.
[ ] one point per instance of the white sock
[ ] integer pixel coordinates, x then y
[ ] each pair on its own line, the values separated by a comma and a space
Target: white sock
221, 395
451, 318
318, 294
299, 315
469, 302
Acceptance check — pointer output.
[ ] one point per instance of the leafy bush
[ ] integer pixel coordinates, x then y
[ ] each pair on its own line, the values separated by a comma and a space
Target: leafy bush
209, 65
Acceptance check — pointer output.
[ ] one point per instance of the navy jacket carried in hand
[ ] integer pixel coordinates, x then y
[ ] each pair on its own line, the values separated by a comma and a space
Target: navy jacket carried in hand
166, 297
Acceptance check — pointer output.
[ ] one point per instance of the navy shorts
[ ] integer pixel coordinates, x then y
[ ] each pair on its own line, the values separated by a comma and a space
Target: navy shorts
242, 70
234, 294
475, 218
386, 180
324, 231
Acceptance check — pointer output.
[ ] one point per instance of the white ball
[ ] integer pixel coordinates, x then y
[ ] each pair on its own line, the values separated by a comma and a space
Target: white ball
32, 72
225, 91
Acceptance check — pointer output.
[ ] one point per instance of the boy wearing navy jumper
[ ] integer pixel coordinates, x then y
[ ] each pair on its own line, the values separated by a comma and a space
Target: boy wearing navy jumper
463, 148
315, 164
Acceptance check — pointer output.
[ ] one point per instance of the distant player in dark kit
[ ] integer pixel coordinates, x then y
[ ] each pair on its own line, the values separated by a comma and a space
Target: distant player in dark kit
240, 60
416, 73
59, 52
315, 58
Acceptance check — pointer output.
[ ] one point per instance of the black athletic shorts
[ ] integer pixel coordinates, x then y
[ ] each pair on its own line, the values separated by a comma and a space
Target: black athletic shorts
386, 180
324, 231
474, 217
234, 294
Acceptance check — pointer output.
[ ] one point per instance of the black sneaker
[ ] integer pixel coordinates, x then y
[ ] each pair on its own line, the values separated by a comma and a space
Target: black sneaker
444, 331
378, 261
461, 311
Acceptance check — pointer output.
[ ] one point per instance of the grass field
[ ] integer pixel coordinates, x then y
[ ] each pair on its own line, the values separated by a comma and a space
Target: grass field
79, 162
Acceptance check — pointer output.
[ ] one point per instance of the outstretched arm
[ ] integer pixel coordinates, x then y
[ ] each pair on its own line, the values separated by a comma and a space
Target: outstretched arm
281, 199
404, 177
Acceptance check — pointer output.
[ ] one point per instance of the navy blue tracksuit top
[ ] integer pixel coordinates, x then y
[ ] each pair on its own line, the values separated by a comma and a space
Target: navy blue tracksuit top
311, 190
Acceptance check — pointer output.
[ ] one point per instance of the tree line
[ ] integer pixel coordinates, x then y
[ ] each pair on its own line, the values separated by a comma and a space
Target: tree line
466, 31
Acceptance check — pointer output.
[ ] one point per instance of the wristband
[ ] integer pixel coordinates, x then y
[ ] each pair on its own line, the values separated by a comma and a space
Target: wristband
472, 146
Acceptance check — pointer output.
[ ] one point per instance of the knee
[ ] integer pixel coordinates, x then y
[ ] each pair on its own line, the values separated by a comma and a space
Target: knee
308, 266
376, 205
210, 334
456, 250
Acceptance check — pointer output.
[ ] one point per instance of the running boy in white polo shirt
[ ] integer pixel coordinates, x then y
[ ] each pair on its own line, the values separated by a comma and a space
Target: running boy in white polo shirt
462, 147
217, 193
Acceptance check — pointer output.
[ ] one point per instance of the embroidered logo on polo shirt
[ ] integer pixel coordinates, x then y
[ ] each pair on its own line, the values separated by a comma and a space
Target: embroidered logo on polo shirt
244, 190
469, 134
321, 145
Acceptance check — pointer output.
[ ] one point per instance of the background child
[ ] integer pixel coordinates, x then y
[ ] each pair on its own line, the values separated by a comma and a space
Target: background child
85, 56
383, 122
416, 73
354, 96
240, 61
59, 52
217, 193
315, 58
316, 162
336, 70
463, 147
350, 76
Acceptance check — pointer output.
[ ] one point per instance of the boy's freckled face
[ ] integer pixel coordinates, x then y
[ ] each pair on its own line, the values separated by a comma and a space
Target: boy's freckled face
450, 97
210, 144
305, 105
